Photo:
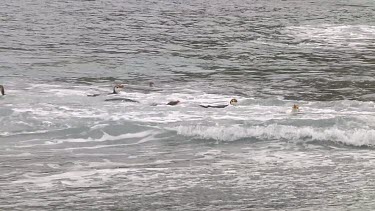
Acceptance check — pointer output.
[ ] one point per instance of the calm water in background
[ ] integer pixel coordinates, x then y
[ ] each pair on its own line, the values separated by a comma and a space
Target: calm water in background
60, 149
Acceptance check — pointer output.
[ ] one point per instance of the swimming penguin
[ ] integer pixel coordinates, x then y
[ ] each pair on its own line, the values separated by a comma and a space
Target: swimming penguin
2, 90
150, 87
171, 103
116, 90
122, 100
295, 108
231, 102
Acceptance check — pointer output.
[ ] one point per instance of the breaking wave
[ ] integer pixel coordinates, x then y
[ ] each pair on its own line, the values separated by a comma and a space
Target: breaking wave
355, 137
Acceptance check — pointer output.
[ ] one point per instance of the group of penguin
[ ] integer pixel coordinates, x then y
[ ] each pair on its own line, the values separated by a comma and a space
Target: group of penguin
117, 87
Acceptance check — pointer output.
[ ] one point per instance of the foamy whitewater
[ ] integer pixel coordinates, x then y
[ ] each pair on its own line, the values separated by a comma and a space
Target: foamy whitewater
63, 150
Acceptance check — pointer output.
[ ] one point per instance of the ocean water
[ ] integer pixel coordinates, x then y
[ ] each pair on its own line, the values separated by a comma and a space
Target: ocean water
62, 150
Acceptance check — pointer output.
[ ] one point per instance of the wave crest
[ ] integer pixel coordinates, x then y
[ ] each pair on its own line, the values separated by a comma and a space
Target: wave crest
355, 137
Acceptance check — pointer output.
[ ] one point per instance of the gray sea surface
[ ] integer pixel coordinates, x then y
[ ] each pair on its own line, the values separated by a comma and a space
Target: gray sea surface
63, 150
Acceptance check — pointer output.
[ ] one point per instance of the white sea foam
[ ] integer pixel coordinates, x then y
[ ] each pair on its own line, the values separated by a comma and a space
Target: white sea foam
80, 178
143, 140
210, 154
354, 36
356, 137
25, 154
106, 137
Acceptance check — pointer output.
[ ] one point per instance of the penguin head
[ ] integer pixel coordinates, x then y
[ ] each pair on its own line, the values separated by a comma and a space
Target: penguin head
118, 87
233, 102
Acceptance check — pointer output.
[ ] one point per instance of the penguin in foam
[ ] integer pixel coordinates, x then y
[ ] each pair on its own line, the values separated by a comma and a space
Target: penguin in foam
116, 90
173, 102
295, 108
170, 103
2, 90
145, 89
232, 102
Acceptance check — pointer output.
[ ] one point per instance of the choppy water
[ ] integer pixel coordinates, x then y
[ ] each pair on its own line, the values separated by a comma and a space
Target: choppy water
60, 149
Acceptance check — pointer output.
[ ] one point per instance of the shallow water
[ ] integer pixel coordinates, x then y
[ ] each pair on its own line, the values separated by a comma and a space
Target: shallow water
60, 149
